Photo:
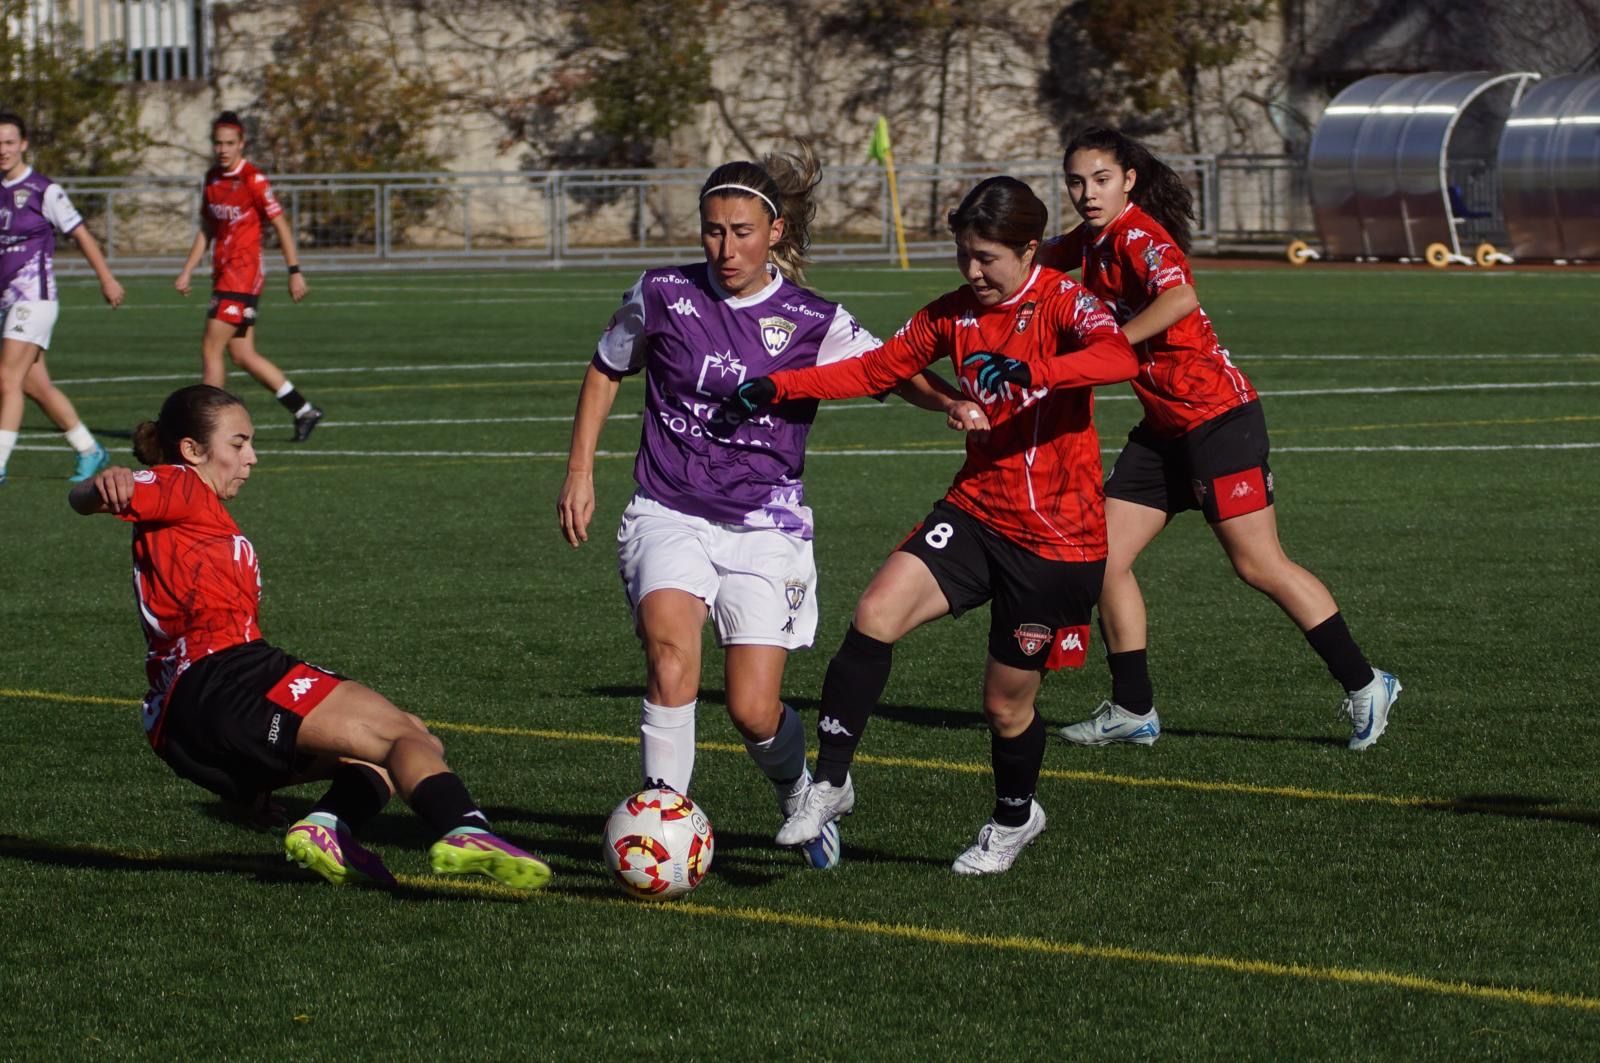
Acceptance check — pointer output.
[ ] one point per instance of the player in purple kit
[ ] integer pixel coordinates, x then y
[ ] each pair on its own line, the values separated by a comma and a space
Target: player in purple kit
32, 209
719, 527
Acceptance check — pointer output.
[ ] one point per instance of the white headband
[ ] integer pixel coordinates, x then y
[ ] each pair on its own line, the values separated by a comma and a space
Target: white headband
744, 188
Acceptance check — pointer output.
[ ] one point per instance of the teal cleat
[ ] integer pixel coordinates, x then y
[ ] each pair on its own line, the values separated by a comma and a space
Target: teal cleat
89, 464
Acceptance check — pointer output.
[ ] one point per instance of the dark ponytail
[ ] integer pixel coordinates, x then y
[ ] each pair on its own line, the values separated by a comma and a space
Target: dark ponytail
1157, 188
188, 413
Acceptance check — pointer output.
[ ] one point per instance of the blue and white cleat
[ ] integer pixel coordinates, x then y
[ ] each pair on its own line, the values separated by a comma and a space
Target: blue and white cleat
822, 852
1368, 709
1113, 723
89, 464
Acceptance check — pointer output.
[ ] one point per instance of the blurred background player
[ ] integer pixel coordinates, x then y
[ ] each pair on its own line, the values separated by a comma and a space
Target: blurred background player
33, 209
1201, 445
719, 527
240, 717
1022, 527
236, 200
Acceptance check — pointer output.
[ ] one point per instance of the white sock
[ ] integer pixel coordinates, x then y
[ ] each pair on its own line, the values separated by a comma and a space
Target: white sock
666, 745
8, 443
283, 389
305, 407
782, 758
81, 438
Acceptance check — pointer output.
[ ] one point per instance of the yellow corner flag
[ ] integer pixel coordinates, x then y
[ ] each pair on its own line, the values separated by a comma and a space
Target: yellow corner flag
880, 151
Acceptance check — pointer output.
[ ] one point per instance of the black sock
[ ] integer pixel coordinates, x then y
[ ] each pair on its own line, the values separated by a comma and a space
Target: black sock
1016, 772
850, 691
443, 801
1130, 681
293, 400
356, 793
1346, 663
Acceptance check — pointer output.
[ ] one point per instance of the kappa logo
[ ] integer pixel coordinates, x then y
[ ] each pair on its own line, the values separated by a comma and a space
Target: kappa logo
832, 726
302, 686
776, 333
684, 307
1032, 638
144, 476
230, 310
1242, 489
1071, 641
966, 320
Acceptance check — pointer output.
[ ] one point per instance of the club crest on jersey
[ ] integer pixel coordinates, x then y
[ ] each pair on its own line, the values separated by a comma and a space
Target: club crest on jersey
20, 197
1024, 316
1033, 637
794, 591
776, 333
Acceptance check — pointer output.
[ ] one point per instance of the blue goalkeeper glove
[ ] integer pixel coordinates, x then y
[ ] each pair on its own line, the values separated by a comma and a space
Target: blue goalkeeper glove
750, 396
996, 369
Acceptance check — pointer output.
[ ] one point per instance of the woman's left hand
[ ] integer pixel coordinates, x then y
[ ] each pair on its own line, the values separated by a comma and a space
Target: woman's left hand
964, 415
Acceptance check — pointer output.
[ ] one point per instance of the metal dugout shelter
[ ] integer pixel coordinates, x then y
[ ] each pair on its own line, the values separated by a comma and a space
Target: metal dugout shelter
1549, 164
1378, 162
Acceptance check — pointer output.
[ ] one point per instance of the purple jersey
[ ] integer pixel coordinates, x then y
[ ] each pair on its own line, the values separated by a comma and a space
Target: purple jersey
698, 344
32, 209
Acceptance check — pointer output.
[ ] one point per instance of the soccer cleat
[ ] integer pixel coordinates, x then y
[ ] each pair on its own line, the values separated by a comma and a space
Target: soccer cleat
1113, 723
333, 854
2, 477
304, 423
464, 852
822, 852
1368, 709
89, 464
823, 803
997, 847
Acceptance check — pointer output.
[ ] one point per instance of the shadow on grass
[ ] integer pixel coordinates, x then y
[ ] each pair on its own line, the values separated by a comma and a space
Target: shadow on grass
1515, 806
913, 714
1246, 736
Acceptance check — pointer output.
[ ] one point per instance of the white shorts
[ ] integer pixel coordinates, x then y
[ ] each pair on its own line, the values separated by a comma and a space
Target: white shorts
31, 322
760, 584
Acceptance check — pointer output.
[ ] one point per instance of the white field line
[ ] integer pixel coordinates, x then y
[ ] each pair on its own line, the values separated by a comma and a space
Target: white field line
824, 452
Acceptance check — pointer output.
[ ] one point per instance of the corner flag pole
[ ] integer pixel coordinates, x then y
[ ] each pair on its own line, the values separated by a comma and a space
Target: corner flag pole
881, 151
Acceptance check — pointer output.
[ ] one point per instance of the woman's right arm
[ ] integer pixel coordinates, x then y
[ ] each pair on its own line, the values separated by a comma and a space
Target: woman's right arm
197, 251
576, 504
108, 491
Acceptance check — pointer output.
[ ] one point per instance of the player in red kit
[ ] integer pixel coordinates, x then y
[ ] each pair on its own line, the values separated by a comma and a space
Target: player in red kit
236, 200
1022, 527
1201, 445
240, 717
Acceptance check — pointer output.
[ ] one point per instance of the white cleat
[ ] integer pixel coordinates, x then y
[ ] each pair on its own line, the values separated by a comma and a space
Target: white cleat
1113, 723
823, 803
997, 847
1368, 709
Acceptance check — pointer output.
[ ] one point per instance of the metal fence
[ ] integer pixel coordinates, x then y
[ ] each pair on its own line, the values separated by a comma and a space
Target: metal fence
536, 219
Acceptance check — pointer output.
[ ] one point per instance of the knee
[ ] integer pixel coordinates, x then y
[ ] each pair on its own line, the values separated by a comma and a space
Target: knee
1007, 715
878, 616
674, 669
1259, 573
419, 731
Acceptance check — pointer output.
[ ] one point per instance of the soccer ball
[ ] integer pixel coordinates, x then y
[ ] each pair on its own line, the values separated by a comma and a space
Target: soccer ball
658, 844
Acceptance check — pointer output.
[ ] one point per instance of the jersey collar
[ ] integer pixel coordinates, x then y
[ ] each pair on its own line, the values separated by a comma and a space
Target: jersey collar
739, 303
235, 171
1116, 223
27, 172
1022, 291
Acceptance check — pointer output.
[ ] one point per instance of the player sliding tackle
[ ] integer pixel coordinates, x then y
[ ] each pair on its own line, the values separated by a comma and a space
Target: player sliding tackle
241, 717
1023, 525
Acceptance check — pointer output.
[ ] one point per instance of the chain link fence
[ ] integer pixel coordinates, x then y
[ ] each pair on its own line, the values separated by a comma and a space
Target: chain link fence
536, 219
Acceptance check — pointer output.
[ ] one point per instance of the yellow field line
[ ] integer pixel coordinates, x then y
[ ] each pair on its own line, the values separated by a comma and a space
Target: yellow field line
924, 935
1159, 782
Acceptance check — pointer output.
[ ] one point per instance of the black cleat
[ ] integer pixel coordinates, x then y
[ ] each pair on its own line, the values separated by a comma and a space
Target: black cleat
304, 423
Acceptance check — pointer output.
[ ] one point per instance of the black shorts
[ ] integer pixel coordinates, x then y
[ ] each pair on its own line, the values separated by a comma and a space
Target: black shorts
235, 308
1219, 467
231, 721
1040, 616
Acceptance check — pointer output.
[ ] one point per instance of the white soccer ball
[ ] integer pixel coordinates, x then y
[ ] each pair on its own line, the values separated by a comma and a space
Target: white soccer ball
658, 844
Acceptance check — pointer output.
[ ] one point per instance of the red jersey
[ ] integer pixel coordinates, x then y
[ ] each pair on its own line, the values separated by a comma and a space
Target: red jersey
195, 576
1035, 478
232, 209
1185, 375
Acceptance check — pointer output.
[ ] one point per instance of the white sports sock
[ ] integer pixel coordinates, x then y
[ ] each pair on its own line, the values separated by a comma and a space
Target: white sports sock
782, 758
284, 388
666, 745
8, 443
81, 438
